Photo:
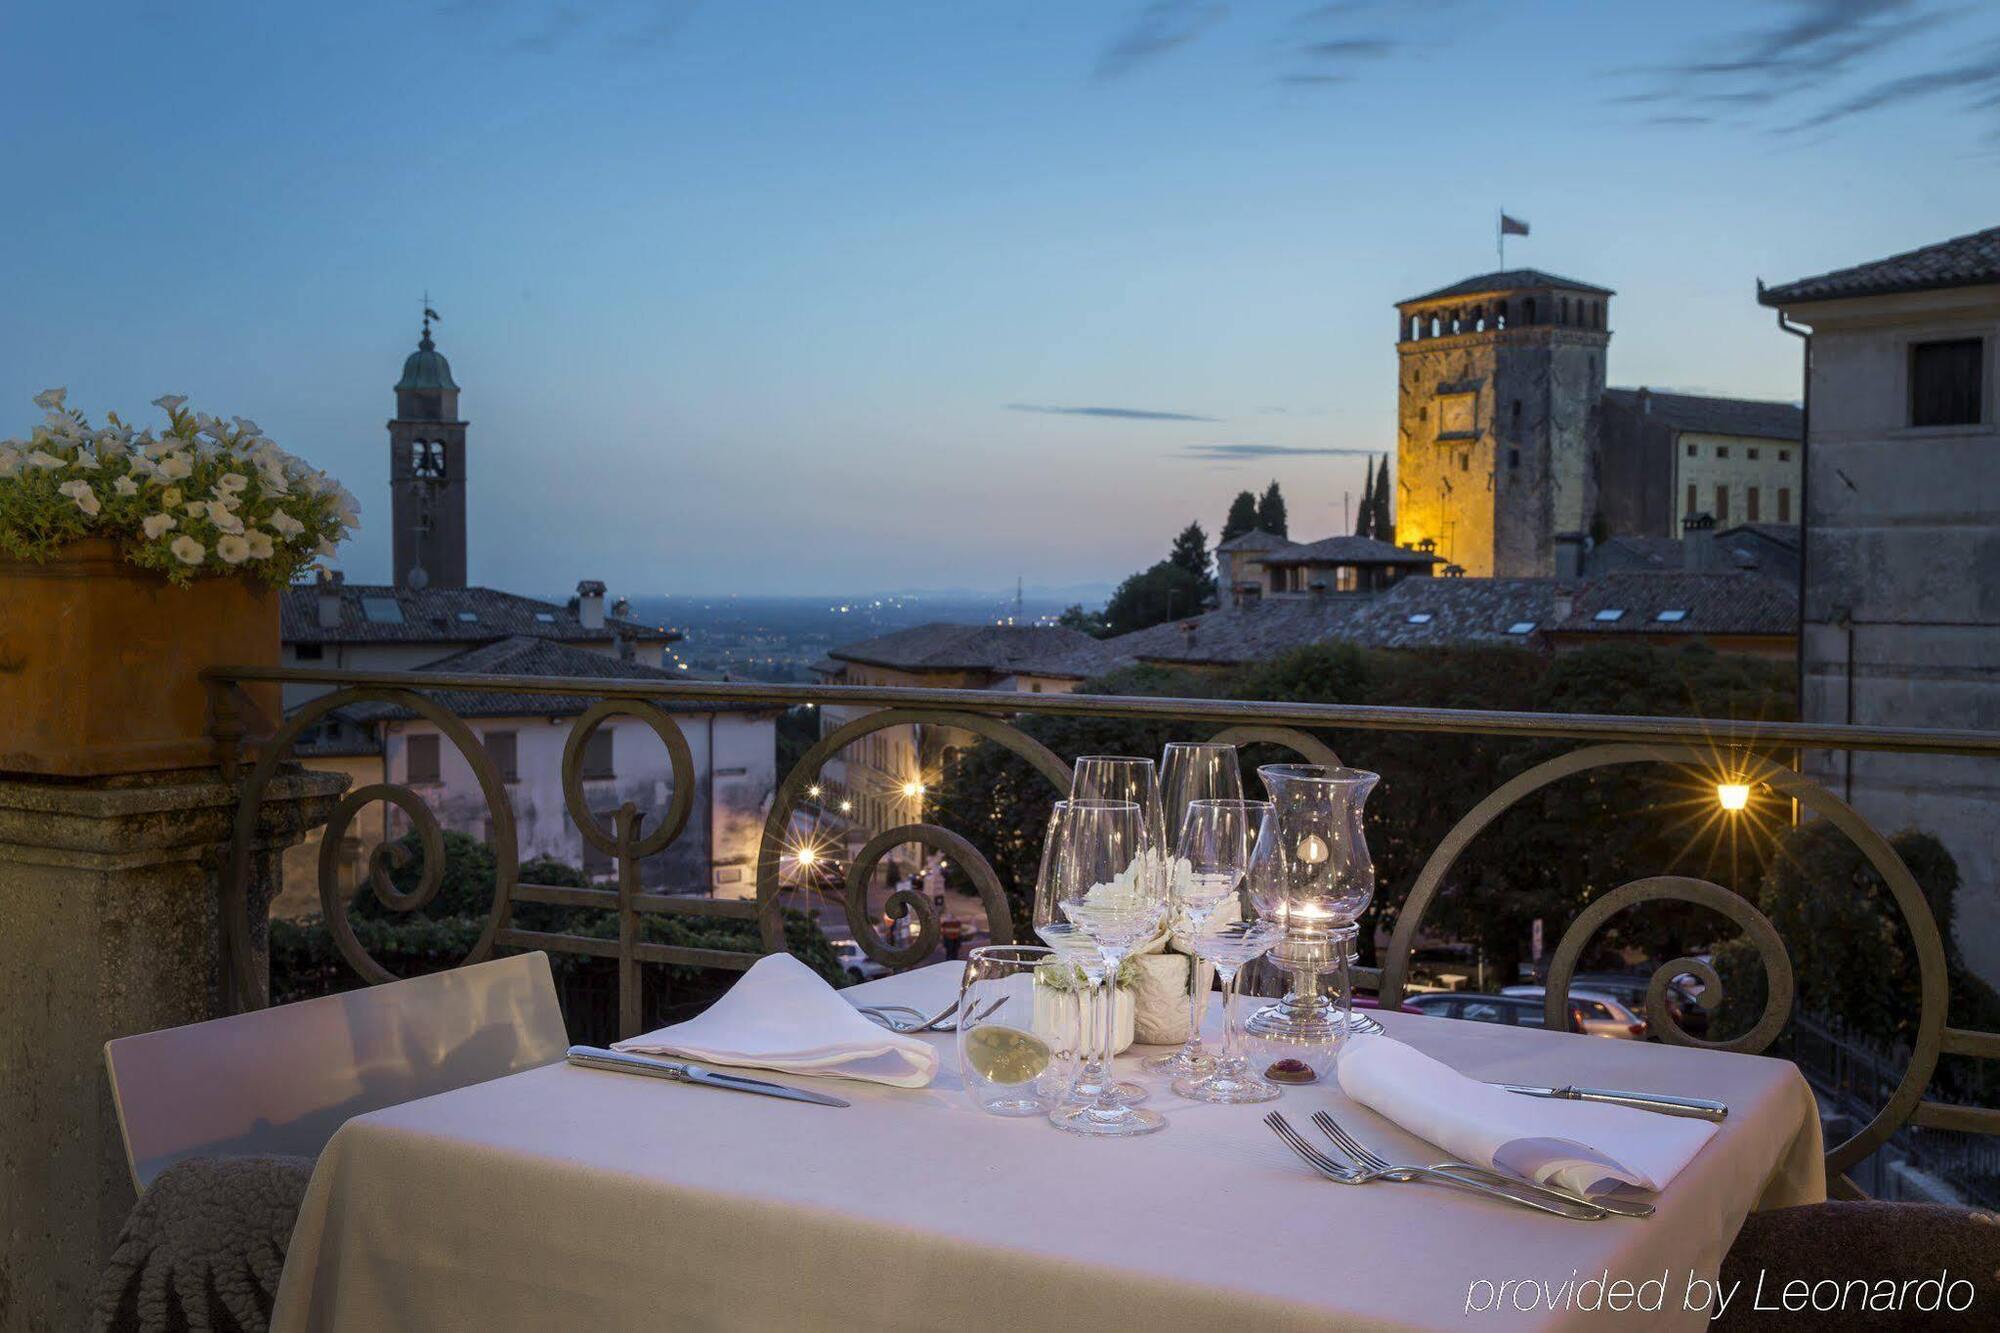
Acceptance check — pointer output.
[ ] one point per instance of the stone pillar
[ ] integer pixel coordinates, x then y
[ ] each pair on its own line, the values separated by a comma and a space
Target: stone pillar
110, 924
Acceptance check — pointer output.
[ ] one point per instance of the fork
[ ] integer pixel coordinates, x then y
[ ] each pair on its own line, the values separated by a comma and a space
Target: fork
1528, 1197
1369, 1160
935, 1023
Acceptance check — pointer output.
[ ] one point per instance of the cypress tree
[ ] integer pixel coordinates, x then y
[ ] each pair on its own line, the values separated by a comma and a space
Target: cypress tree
1271, 512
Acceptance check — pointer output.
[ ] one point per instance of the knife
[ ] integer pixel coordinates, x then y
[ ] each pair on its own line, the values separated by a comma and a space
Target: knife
679, 1071
1695, 1108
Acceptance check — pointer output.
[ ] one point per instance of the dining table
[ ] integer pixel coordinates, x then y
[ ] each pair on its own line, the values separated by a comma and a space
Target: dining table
575, 1198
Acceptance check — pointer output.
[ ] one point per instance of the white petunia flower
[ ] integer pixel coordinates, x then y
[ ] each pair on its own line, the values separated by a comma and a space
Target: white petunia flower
175, 466
170, 496
260, 544
233, 550
85, 460
197, 508
285, 524
125, 486
325, 548
224, 499
44, 459
155, 524
51, 400
247, 426
170, 402
79, 491
143, 466
231, 482
188, 551
224, 520
10, 460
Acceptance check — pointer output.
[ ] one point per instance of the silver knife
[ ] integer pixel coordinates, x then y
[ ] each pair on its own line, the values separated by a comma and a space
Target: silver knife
681, 1071
1694, 1108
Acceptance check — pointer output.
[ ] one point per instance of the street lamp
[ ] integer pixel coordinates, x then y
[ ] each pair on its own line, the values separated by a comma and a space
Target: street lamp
1732, 796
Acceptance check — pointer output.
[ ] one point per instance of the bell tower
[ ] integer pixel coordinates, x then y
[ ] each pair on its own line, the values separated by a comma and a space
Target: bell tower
1497, 406
427, 471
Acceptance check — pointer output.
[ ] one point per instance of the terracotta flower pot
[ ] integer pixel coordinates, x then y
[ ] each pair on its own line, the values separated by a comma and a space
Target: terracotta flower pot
100, 663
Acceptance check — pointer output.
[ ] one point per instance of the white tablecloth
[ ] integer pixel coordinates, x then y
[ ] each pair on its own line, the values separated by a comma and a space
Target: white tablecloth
577, 1199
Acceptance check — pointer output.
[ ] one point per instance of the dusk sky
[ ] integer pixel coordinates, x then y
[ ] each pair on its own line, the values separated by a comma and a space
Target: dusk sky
762, 298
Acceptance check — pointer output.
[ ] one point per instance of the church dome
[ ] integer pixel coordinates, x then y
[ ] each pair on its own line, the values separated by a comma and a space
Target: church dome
426, 368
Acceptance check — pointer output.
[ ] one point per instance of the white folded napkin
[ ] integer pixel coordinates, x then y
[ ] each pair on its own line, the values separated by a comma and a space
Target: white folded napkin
1578, 1145
782, 1015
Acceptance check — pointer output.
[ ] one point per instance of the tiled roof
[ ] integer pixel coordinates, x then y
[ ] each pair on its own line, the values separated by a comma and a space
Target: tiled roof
1036, 650
1972, 260
1715, 416
1420, 613
1260, 628
1771, 549
1348, 551
1254, 540
338, 735
1711, 602
1513, 279
445, 616
525, 656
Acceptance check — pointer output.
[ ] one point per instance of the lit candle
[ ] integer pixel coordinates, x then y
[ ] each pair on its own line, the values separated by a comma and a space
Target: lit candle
1312, 849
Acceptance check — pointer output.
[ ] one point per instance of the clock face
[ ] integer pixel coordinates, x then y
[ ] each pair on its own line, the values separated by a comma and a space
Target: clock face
427, 459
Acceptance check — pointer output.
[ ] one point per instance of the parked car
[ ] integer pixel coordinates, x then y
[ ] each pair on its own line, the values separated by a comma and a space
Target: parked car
1630, 991
1509, 1010
855, 962
1597, 1013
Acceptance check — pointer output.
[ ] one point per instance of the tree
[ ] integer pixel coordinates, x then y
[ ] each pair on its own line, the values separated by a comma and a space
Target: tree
1242, 517
1165, 592
1090, 622
1383, 522
1190, 552
1271, 512
1364, 522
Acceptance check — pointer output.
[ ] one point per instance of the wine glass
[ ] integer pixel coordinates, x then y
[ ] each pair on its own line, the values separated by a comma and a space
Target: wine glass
1222, 844
1112, 777
1192, 771
1107, 884
1093, 1077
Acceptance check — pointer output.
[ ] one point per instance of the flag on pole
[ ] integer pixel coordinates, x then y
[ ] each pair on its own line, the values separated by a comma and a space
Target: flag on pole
1512, 226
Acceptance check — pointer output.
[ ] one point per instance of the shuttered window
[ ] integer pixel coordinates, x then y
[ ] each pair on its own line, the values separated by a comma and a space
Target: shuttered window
1945, 382
420, 754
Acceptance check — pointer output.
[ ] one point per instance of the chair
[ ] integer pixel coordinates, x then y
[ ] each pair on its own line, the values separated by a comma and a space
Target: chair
280, 1081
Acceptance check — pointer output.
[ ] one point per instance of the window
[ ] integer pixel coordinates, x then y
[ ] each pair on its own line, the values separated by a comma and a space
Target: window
1528, 310
1784, 504
1517, 416
1721, 504
1609, 614
1513, 458
502, 748
1522, 627
1420, 618
597, 755
1751, 454
382, 610
1750, 504
1691, 500
1673, 615
1346, 578
1691, 451
1784, 455
1564, 317
469, 617
311, 652
1944, 382
545, 617
1722, 451
1465, 461
420, 759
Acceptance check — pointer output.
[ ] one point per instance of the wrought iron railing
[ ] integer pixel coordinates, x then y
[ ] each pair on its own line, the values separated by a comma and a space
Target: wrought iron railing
1755, 753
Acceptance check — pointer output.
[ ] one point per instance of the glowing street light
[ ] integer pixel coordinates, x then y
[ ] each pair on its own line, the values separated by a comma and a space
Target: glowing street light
808, 857
813, 791
1732, 795
913, 789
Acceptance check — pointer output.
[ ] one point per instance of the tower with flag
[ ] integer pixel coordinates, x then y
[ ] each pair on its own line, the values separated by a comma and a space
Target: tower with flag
1509, 226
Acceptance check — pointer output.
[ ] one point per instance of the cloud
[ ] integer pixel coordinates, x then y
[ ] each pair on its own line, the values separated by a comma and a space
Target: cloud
538, 27
1348, 48
1979, 77
1238, 452
1155, 30
1122, 413
1680, 120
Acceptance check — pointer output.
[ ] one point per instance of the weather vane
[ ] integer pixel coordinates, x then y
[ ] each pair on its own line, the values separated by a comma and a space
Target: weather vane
429, 314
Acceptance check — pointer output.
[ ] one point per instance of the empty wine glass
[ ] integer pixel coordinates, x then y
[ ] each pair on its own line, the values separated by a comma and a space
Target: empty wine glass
1093, 1077
1107, 885
1223, 850
1112, 777
1192, 771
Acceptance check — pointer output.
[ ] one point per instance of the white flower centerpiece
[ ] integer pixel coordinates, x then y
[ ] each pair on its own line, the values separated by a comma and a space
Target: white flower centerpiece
130, 562
204, 497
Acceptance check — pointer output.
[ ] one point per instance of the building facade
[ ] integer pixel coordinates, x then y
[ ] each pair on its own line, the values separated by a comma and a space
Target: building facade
1666, 457
1902, 542
1498, 388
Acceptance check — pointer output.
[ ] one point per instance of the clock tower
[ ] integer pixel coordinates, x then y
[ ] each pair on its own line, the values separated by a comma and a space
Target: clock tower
427, 471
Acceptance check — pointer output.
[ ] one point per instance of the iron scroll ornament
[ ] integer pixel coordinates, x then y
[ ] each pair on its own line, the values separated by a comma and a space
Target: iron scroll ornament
999, 917
252, 990
1910, 902
806, 771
